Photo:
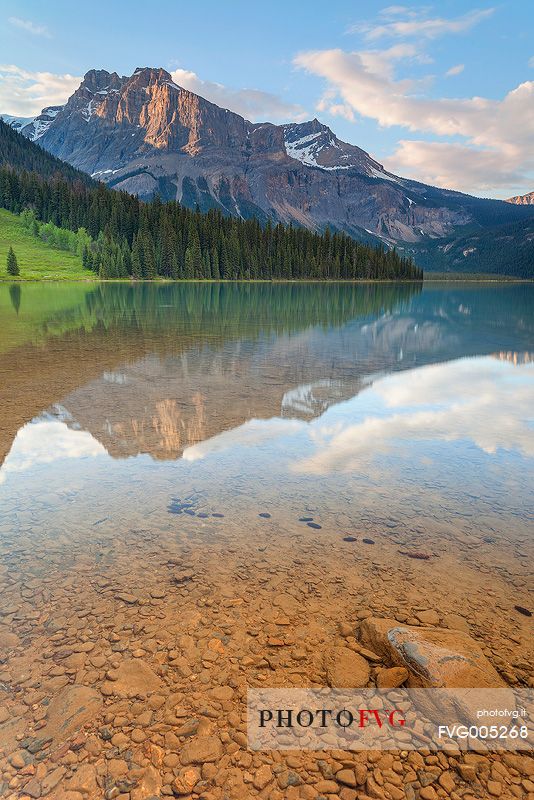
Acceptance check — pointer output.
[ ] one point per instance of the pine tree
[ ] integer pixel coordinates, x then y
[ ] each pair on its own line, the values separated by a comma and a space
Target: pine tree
12, 264
87, 258
137, 269
149, 257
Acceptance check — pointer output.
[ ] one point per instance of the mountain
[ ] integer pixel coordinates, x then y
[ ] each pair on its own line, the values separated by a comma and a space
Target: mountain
147, 135
17, 153
120, 236
39, 125
17, 123
522, 199
499, 250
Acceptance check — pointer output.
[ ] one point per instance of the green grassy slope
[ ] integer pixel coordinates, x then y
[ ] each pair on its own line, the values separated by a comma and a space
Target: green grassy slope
36, 259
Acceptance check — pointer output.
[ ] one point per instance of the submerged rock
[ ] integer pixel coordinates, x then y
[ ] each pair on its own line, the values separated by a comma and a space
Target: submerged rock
8, 641
415, 554
203, 750
434, 657
134, 678
346, 669
69, 711
392, 678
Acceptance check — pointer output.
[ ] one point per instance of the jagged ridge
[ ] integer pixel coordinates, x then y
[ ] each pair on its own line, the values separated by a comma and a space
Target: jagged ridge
145, 134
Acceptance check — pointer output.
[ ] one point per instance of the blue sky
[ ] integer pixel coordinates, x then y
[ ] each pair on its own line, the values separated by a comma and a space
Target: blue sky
443, 93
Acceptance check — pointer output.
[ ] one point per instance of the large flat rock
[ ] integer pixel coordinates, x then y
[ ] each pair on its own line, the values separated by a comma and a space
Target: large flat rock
346, 669
69, 711
135, 678
434, 657
202, 750
10, 733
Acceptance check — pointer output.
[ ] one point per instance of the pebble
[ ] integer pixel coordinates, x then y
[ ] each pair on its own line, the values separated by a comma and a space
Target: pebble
185, 781
429, 617
314, 525
415, 554
130, 599
350, 539
346, 777
17, 760
392, 677
262, 777
368, 541
201, 750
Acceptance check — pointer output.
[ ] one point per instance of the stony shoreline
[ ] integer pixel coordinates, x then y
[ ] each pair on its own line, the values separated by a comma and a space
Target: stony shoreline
125, 664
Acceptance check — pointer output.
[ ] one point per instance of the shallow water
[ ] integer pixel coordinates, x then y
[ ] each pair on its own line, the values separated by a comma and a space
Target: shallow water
288, 445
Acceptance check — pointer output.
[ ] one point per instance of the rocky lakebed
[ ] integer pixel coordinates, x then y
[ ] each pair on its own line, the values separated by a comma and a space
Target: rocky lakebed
125, 660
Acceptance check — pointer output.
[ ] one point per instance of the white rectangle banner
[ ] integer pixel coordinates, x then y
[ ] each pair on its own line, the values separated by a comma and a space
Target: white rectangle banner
391, 719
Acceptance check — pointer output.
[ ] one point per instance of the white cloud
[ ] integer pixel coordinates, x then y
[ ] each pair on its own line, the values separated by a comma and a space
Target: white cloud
395, 11
418, 24
456, 70
254, 433
486, 402
382, 62
24, 93
252, 104
498, 134
30, 27
46, 441
457, 166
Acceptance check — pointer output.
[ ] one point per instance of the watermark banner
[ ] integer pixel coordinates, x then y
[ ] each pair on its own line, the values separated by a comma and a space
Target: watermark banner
391, 719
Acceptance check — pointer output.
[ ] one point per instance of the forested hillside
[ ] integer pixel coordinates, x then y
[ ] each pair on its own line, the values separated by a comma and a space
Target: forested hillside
145, 240
502, 250
15, 152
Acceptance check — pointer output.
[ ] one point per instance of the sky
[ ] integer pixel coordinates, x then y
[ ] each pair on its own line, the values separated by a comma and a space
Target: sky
441, 92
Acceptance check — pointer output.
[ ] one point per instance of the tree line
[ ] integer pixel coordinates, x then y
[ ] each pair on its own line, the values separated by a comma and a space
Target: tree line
130, 238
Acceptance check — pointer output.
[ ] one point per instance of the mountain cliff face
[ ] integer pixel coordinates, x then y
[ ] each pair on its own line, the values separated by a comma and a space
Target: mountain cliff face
522, 199
146, 135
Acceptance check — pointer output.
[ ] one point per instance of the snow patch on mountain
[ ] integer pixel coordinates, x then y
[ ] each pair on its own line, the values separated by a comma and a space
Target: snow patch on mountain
38, 126
17, 123
384, 176
306, 149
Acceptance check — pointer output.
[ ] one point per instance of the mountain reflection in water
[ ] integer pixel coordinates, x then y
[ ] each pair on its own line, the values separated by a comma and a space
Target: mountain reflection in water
159, 370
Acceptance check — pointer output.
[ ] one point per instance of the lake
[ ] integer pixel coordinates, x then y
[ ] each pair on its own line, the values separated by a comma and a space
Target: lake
216, 476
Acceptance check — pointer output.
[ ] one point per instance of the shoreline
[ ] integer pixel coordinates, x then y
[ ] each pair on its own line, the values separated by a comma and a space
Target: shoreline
163, 281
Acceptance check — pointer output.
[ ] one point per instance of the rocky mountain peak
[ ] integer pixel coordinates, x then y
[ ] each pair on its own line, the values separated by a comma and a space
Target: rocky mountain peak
149, 75
97, 80
522, 199
37, 127
314, 144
